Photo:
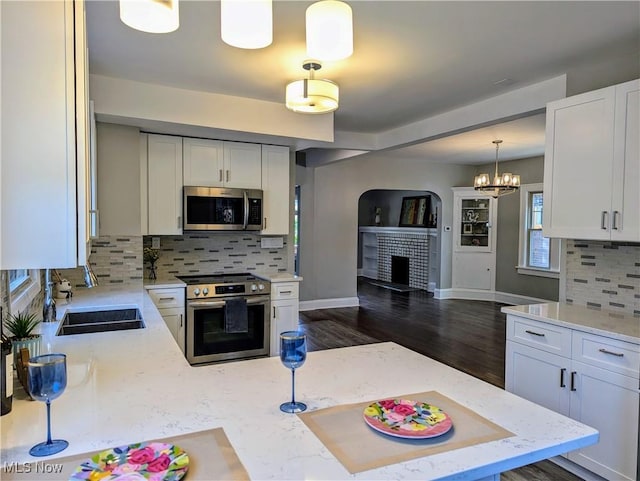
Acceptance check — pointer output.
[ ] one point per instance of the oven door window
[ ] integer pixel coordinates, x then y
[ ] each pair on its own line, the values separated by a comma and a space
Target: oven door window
209, 336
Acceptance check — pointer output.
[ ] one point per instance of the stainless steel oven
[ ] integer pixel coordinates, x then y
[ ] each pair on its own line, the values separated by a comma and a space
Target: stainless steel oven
208, 339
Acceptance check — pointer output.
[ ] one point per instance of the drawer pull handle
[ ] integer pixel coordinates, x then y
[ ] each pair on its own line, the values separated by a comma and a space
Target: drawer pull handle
534, 333
562, 371
573, 380
285, 292
167, 299
617, 354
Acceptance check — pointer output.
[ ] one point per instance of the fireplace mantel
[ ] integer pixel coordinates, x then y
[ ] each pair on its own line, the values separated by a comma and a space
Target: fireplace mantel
398, 230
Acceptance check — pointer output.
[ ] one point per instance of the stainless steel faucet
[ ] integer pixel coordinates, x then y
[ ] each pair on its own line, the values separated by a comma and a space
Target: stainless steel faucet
49, 307
90, 278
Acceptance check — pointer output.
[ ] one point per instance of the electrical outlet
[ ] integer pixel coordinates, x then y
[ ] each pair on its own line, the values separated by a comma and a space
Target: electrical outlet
155, 242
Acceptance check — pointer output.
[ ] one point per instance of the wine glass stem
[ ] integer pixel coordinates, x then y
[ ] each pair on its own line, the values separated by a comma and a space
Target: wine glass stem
49, 421
293, 386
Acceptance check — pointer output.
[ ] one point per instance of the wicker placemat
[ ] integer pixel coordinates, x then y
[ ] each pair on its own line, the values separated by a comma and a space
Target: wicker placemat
211, 456
358, 447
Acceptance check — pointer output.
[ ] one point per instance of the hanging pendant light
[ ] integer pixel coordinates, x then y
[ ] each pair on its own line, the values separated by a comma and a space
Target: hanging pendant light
329, 26
246, 23
312, 96
502, 184
151, 16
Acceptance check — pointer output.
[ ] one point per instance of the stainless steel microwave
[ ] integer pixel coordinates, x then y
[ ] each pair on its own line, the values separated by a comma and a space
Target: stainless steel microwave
220, 208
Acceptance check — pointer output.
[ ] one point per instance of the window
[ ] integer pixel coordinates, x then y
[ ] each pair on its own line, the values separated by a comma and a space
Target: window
539, 255
24, 286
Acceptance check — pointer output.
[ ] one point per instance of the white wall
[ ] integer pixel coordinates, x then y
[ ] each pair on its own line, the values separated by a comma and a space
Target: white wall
329, 223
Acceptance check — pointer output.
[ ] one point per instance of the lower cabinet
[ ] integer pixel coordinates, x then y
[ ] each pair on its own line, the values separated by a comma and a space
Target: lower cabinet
592, 379
284, 311
170, 303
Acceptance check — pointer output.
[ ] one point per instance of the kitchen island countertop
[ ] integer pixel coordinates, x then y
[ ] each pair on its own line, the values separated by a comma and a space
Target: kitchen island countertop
136, 385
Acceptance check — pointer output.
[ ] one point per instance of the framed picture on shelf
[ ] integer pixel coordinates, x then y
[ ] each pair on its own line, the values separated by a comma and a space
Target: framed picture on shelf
467, 228
415, 212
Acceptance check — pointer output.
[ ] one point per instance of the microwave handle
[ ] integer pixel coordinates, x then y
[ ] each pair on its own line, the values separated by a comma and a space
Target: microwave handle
246, 209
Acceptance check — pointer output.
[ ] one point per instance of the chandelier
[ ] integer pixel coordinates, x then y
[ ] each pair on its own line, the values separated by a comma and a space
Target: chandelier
502, 184
312, 96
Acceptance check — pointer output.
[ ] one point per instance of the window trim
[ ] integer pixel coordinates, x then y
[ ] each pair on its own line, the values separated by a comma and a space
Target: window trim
554, 244
25, 293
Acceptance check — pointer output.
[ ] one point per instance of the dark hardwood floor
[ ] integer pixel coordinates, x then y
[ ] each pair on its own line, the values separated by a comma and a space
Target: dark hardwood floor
466, 335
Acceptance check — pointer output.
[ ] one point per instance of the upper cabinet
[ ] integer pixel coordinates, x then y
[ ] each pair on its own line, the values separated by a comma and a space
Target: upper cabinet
215, 163
164, 189
44, 135
592, 165
275, 187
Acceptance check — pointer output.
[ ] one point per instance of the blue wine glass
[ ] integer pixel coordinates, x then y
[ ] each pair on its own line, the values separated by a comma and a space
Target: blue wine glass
47, 381
293, 352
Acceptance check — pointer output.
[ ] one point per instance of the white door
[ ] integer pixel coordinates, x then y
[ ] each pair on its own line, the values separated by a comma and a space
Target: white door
578, 166
608, 402
242, 165
626, 158
165, 185
203, 162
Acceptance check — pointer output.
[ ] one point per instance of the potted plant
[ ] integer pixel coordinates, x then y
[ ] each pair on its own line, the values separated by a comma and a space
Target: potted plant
21, 326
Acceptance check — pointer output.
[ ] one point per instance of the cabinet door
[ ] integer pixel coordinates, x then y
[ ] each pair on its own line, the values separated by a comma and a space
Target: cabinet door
275, 187
174, 319
165, 185
626, 164
538, 376
242, 165
38, 178
473, 271
203, 162
608, 402
475, 224
284, 317
578, 166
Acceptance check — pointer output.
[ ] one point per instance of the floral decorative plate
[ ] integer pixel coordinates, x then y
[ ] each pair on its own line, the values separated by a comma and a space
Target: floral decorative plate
407, 419
136, 462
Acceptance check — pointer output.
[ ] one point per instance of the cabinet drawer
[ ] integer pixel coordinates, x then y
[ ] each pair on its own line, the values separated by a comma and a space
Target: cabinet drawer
284, 290
541, 335
164, 298
610, 354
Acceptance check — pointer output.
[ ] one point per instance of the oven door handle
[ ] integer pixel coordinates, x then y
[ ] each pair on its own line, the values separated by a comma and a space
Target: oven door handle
222, 303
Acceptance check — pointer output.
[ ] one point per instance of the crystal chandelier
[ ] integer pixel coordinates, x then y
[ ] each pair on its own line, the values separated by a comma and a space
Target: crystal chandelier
502, 184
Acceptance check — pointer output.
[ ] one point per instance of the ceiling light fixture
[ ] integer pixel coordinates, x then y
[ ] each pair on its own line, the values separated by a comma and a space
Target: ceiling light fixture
246, 23
329, 30
151, 16
312, 96
506, 183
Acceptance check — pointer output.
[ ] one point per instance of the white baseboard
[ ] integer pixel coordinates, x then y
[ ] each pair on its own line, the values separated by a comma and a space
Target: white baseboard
329, 303
481, 295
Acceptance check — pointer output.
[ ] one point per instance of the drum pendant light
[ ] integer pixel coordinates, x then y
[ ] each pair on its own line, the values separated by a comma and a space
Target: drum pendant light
312, 96
151, 16
246, 23
329, 26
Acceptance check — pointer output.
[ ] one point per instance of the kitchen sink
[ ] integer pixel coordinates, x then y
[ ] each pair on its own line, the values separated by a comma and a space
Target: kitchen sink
103, 320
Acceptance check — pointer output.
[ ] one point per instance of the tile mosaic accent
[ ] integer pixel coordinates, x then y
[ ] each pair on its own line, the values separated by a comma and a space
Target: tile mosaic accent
413, 246
216, 253
603, 275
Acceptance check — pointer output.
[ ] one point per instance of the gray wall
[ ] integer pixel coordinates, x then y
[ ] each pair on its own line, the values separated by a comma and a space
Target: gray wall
391, 203
330, 226
507, 277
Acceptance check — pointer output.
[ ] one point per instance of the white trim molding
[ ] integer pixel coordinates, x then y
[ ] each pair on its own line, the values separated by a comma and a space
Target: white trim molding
25, 294
482, 295
329, 303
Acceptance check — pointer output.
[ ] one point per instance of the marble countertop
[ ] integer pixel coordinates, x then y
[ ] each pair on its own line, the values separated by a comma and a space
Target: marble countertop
163, 283
172, 282
278, 277
605, 323
130, 386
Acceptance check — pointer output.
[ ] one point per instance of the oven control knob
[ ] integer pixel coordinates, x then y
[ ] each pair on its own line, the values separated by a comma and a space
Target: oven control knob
261, 287
196, 291
254, 287
205, 291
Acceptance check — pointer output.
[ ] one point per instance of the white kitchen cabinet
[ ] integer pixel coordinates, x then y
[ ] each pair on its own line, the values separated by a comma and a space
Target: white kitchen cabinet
164, 174
474, 241
171, 303
591, 378
592, 165
215, 163
44, 94
284, 311
275, 190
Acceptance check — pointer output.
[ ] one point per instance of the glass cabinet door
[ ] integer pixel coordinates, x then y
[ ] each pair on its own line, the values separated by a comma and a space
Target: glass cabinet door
475, 224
